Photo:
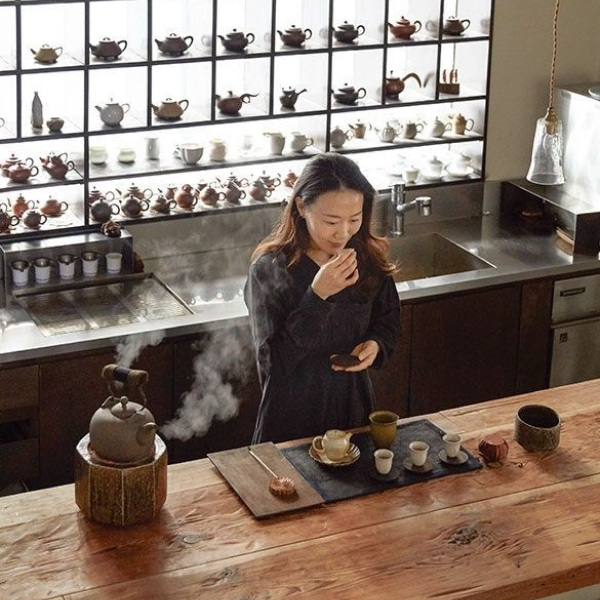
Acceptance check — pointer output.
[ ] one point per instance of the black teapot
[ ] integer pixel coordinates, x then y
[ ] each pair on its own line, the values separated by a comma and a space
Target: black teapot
347, 33
294, 36
236, 41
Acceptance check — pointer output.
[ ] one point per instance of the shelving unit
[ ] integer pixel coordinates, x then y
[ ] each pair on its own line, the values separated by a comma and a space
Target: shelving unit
78, 84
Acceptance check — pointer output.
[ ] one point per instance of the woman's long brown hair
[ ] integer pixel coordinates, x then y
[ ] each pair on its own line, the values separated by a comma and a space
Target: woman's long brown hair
324, 173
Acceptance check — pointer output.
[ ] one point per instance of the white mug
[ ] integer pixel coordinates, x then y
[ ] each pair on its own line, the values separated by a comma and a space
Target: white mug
418, 453
113, 262
383, 460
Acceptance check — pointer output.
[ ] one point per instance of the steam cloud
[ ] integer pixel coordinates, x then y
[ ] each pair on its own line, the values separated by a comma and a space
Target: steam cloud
223, 354
129, 348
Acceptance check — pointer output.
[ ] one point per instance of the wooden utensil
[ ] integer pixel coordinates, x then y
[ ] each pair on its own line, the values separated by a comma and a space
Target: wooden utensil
278, 486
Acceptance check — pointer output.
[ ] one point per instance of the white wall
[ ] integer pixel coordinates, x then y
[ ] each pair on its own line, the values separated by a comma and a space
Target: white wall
521, 57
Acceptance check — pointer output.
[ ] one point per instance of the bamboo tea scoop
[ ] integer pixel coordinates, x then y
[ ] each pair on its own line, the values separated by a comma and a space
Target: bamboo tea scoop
278, 486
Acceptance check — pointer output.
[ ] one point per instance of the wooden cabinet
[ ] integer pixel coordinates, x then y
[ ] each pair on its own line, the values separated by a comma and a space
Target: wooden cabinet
215, 375
72, 389
464, 349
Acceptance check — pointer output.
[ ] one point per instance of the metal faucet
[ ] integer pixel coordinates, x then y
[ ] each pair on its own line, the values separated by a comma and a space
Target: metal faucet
400, 207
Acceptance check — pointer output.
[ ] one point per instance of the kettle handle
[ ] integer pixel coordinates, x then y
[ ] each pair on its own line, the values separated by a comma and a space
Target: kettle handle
133, 379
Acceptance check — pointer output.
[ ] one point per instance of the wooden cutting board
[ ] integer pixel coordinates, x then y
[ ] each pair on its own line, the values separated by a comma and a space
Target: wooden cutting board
251, 481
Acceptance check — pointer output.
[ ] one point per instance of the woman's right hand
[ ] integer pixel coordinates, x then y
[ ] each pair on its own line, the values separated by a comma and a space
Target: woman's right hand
338, 273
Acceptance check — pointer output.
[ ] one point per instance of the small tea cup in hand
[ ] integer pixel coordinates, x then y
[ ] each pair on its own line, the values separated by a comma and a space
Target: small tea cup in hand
383, 460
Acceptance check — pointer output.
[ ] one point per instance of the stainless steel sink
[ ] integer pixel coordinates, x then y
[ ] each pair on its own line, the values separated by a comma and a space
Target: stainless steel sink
431, 255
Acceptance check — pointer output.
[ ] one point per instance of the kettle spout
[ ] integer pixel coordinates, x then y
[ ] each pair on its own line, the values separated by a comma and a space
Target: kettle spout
154, 108
145, 434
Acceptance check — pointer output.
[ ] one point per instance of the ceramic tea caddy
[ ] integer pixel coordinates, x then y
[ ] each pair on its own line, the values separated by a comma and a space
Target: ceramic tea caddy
174, 45
170, 110
107, 49
236, 41
394, 86
112, 113
55, 124
294, 36
289, 96
56, 166
347, 33
231, 104
46, 54
454, 26
348, 95
51, 207
403, 28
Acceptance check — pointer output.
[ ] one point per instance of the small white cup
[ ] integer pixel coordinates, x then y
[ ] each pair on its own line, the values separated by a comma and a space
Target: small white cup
66, 270
20, 276
383, 460
418, 453
113, 262
42, 270
410, 174
452, 444
90, 267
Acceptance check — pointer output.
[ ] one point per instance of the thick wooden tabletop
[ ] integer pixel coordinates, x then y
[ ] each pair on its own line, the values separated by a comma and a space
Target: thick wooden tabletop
526, 530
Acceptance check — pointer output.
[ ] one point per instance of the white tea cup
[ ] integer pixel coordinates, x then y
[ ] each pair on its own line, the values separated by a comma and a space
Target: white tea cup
89, 261
383, 460
452, 444
113, 262
42, 270
418, 453
20, 272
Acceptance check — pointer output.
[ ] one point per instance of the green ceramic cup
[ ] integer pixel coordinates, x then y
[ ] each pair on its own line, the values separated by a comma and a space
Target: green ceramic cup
382, 424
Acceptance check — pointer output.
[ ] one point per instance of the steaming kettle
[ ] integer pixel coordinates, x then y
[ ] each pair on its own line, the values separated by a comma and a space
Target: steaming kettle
123, 431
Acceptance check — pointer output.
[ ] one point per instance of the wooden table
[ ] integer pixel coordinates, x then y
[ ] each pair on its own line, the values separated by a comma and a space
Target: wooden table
527, 530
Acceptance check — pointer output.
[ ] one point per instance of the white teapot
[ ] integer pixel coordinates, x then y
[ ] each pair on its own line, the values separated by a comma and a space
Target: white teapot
436, 128
300, 141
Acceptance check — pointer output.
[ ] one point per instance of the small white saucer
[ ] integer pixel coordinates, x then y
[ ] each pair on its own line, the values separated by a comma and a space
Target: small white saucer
594, 92
410, 467
391, 476
350, 458
455, 172
459, 459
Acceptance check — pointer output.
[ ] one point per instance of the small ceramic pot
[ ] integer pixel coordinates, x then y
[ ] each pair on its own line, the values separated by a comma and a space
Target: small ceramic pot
537, 427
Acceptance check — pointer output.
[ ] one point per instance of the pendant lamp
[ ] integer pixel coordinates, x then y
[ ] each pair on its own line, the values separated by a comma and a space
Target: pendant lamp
546, 156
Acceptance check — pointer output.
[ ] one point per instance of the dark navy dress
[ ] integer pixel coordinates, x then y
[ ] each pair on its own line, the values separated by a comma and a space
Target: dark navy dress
295, 332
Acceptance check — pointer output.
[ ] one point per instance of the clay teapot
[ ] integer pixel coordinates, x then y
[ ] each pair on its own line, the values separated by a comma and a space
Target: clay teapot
403, 28
162, 206
231, 104
394, 86
55, 166
170, 110
20, 205
338, 137
46, 54
133, 207
174, 45
101, 211
239, 181
258, 191
210, 197
359, 129
33, 219
112, 113
185, 197
461, 124
348, 95
170, 193
236, 41
20, 172
107, 49
347, 33
289, 96
13, 159
233, 192
137, 192
121, 430
53, 207
269, 181
7, 221
454, 26
95, 194
294, 36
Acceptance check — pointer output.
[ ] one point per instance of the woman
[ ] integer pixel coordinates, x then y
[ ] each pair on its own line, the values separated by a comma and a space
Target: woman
320, 285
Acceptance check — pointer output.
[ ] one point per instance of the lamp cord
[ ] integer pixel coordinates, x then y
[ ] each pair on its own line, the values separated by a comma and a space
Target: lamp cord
554, 49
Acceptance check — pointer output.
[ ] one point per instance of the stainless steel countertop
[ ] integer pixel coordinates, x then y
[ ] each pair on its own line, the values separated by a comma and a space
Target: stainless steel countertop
517, 252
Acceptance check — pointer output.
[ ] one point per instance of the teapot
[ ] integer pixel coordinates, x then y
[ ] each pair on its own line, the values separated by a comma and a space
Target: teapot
162, 205
121, 430
231, 104
133, 207
294, 36
13, 159
236, 41
233, 192
170, 110
387, 133
411, 129
259, 191
348, 95
101, 211
134, 190
239, 181
300, 141
403, 28
336, 444
454, 26
47, 54
55, 167
174, 45
170, 193
20, 205
108, 49
7, 221
53, 207
289, 96
338, 137
347, 33
210, 197
436, 128
460, 124
112, 113
185, 197
395, 85
290, 179
269, 182
20, 172
95, 194
33, 219
359, 129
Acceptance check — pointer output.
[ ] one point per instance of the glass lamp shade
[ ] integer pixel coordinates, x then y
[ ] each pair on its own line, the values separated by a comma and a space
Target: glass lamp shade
546, 155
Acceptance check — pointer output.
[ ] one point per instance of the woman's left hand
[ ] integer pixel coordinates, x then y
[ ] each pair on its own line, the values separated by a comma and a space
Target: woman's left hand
366, 353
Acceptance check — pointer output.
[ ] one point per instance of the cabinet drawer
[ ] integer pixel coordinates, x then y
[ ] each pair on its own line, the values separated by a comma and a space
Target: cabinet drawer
18, 387
19, 460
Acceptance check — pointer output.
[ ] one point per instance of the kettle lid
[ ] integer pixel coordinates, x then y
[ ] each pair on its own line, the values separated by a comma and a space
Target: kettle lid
124, 408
